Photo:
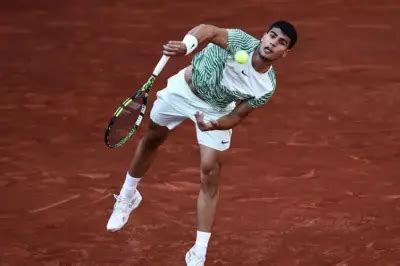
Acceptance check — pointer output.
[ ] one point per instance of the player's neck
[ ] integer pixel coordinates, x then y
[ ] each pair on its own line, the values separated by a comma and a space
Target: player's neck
260, 64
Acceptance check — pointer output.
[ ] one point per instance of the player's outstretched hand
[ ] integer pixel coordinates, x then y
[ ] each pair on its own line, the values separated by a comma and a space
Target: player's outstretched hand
174, 48
205, 126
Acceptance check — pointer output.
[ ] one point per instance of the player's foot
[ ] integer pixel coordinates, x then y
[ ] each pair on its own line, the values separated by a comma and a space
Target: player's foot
193, 259
122, 209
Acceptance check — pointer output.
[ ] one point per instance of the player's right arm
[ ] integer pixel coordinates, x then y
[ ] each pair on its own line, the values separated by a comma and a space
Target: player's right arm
203, 33
210, 33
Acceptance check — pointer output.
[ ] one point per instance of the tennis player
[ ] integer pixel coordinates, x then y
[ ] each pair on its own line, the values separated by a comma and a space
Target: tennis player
216, 93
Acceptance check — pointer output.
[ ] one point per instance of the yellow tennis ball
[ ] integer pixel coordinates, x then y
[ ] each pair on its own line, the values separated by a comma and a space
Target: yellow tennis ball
241, 57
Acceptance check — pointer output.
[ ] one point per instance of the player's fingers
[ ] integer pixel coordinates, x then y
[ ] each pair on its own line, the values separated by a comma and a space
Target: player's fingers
175, 43
202, 126
178, 45
206, 126
175, 46
170, 48
170, 51
199, 120
214, 123
199, 117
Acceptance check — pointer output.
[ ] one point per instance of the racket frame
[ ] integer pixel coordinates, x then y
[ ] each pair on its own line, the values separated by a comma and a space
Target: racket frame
142, 92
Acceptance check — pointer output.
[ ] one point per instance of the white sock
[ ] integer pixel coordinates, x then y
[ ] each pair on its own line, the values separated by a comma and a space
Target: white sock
202, 239
129, 187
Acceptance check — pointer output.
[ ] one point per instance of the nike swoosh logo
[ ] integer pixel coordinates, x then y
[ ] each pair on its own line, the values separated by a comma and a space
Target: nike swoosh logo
244, 73
224, 142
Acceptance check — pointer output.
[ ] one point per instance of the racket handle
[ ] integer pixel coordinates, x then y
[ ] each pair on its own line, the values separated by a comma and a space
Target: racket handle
161, 64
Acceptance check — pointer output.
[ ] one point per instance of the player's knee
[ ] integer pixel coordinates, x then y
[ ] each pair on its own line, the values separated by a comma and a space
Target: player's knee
152, 141
155, 136
209, 175
208, 171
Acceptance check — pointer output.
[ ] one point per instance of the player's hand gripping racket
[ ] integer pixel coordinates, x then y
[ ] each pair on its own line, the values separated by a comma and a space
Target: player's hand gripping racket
129, 115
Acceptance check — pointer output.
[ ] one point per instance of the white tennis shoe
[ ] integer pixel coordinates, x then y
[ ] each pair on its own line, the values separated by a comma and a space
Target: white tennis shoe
122, 210
193, 259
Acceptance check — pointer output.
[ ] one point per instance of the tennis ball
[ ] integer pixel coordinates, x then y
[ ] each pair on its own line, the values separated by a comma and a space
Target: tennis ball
241, 57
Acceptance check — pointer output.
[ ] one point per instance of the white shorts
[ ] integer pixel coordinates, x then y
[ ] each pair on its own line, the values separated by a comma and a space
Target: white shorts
177, 103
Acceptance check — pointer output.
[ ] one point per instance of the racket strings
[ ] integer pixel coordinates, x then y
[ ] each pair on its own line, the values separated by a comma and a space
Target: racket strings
125, 122
128, 116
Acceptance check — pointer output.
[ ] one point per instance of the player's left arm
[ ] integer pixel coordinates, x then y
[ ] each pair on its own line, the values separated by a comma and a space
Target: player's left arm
242, 110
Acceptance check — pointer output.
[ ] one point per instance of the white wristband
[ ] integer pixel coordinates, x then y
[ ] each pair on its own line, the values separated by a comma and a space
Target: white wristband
191, 43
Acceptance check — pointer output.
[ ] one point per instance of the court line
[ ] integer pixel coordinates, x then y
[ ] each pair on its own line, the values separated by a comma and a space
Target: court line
102, 198
55, 204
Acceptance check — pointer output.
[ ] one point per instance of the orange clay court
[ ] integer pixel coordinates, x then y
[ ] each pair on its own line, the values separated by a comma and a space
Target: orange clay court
312, 178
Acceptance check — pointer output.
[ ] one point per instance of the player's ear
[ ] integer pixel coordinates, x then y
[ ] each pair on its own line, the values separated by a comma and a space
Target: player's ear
263, 36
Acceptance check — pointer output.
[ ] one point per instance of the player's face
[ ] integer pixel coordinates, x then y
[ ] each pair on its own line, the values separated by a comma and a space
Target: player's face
274, 45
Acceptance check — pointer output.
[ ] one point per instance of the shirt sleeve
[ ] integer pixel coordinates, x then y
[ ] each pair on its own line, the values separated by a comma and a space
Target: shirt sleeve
257, 102
240, 40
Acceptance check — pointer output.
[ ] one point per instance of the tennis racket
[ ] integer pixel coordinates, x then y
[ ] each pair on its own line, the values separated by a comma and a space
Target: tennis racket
129, 115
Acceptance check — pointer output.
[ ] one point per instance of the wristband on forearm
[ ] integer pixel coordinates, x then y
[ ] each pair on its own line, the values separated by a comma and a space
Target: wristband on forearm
190, 42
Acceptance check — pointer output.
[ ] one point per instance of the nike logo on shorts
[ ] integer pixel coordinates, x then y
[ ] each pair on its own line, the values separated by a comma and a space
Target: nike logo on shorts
224, 142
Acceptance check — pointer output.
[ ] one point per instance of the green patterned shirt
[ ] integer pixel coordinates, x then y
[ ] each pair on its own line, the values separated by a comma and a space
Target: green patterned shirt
219, 80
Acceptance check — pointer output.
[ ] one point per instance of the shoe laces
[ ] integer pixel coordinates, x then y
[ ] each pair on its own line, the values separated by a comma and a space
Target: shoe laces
121, 204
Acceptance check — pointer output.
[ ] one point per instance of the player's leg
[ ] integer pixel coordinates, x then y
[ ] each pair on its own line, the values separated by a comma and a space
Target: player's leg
147, 148
210, 167
212, 146
163, 119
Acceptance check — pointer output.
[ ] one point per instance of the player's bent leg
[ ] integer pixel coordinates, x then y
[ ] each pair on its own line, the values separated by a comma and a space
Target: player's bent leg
147, 148
163, 119
129, 197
